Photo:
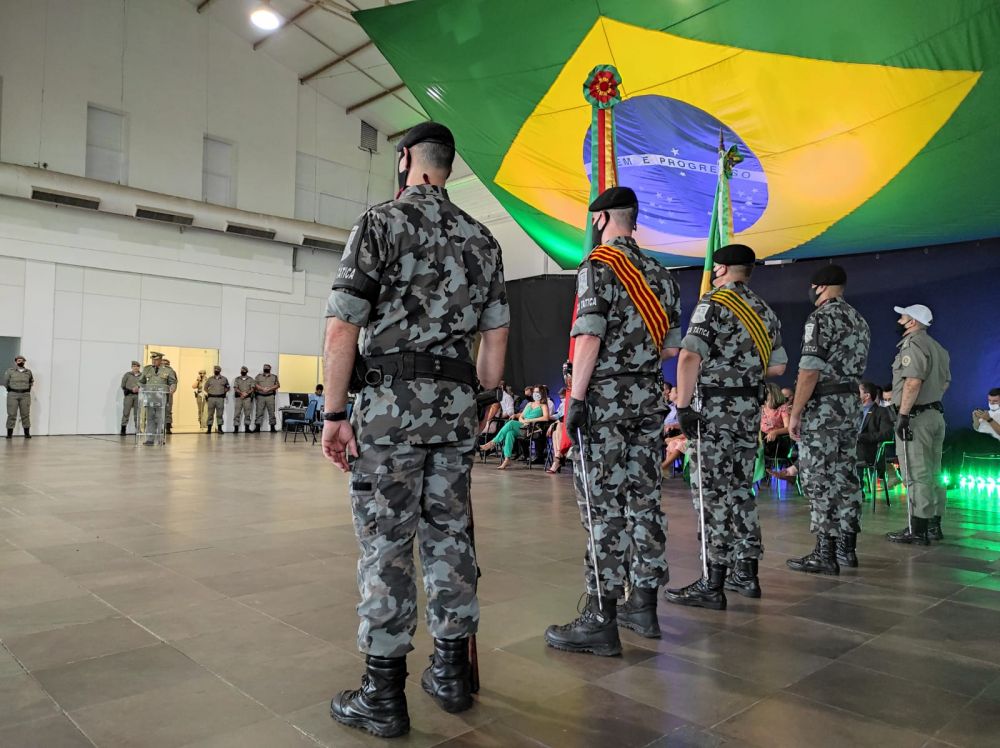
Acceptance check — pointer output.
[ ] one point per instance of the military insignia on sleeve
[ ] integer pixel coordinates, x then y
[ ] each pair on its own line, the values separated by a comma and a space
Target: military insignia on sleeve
700, 314
582, 281
906, 360
810, 328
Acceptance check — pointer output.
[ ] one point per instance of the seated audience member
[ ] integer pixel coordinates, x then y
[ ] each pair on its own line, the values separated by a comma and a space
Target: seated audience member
875, 426
537, 412
557, 433
671, 426
988, 421
774, 417
886, 401
787, 393
503, 409
317, 397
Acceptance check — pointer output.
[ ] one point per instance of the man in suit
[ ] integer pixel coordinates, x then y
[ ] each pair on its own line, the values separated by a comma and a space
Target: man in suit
875, 426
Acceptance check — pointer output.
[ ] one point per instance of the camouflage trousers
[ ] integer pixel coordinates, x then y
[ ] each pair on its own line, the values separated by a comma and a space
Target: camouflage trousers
829, 473
725, 472
623, 474
398, 493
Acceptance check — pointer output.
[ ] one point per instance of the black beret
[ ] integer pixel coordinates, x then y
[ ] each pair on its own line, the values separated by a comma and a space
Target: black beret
829, 275
734, 254
614, 197
426, 132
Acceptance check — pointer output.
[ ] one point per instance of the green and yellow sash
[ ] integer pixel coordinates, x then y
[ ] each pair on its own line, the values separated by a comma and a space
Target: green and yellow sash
748, 316
650, 309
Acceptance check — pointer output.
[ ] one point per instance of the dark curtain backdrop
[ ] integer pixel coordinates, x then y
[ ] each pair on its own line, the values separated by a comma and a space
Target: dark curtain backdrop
959, 282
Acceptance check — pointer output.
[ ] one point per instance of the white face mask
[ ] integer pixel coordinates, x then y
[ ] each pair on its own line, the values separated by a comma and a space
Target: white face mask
994, 407
537, 397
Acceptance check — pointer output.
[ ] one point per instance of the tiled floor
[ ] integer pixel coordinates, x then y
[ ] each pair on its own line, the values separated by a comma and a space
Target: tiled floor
203, 595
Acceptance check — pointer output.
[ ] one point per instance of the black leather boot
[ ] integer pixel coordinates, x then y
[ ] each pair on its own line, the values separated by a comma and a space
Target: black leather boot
209, 429
744, 579
123, 431
236, 429
379, 706
915, 535
705, 593
822, 560
27, 433
638, 613
169, 429
10, 433
847, 545
594, 631
448, 680
273, 429
934, 528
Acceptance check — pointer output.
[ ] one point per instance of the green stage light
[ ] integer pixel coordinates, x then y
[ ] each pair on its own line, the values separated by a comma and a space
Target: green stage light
980, 482
945, 479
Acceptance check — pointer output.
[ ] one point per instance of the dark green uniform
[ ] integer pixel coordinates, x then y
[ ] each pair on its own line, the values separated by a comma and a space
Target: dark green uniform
18, 380
216, 388
244, 387
130, 389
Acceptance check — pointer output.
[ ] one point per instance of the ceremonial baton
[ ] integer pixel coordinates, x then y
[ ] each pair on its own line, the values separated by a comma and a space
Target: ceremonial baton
701, 507
590, 520
904, 463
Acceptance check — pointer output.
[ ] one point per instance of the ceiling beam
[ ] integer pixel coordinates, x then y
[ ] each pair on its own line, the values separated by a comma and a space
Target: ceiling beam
372, 99
342, 58
285, 24
203, 4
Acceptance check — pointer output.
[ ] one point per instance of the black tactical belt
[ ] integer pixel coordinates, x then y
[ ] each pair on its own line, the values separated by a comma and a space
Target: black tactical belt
20, 392
841, 388
411, 365
927, 406
754, 392
629, 375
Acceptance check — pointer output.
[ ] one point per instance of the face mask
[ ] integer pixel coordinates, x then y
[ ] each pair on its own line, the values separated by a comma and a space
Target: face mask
598, 231
994, 407
218, 371
243, 372
813, 295
537, 397
267, 371
901, 329
405, 173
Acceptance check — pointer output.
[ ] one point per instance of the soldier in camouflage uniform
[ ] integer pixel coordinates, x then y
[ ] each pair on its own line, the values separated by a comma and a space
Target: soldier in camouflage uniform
732, 343
171, 374
617, 405
216, 389
824, 420
921, 373
422, 278
160, 377
266, 384
130, 397
18, 381
244, 387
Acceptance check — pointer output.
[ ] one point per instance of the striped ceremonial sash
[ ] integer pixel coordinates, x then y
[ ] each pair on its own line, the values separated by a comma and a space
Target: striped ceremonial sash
638, 290
750, 319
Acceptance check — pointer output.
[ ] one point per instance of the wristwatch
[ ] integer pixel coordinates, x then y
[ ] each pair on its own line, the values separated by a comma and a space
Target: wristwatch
340, 415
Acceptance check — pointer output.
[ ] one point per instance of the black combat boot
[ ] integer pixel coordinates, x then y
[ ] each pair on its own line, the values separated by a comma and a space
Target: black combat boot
10, 433
168, 429
273, 429
934, 528
638, 613
27, 432
379, 706
236, 429
707, 592
744, 579
594, 631
847, 546
209, 429
448, 680
123, 431
219, 429
916, 534
822, 560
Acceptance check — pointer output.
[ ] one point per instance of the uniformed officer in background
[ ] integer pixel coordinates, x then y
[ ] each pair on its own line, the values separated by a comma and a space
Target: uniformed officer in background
733, 342
824, 420
130, 395
216, 389
199, 396
243, 387
627, 322
265, 385
422, 277
18, 381
920, 375
170, 396
156, 376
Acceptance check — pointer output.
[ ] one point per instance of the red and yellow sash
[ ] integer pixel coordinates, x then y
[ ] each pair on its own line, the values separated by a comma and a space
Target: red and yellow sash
650, 309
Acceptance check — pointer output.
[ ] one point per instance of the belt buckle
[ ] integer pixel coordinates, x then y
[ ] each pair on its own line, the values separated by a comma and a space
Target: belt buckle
374, 376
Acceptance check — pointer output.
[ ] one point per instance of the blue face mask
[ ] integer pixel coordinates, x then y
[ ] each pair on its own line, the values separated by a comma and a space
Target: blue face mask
537, 397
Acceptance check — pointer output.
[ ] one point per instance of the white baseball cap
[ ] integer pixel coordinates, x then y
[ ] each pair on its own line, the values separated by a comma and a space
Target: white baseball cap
918, 312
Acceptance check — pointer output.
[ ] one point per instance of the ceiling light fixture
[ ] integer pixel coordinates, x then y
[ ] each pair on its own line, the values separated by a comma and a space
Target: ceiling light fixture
266, 19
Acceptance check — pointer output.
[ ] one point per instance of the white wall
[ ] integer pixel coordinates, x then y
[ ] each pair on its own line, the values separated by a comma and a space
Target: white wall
86, 292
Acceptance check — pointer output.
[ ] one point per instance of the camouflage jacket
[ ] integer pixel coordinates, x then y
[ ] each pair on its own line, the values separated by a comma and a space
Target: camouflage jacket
419, 274
729, 357
627, 378
158, 378
835, 343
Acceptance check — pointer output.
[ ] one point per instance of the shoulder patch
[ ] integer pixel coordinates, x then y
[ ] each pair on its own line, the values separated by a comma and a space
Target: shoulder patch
906, 360
810, 329
582, 281
700, 314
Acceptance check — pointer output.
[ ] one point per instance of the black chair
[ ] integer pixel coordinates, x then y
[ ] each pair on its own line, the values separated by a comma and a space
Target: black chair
872, 474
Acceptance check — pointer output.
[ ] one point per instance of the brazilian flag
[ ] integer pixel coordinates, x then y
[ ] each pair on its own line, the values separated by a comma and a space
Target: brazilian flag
863, 124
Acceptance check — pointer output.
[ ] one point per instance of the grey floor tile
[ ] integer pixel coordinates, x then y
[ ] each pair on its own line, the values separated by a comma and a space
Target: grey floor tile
78, 642
50, 732
23, 700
